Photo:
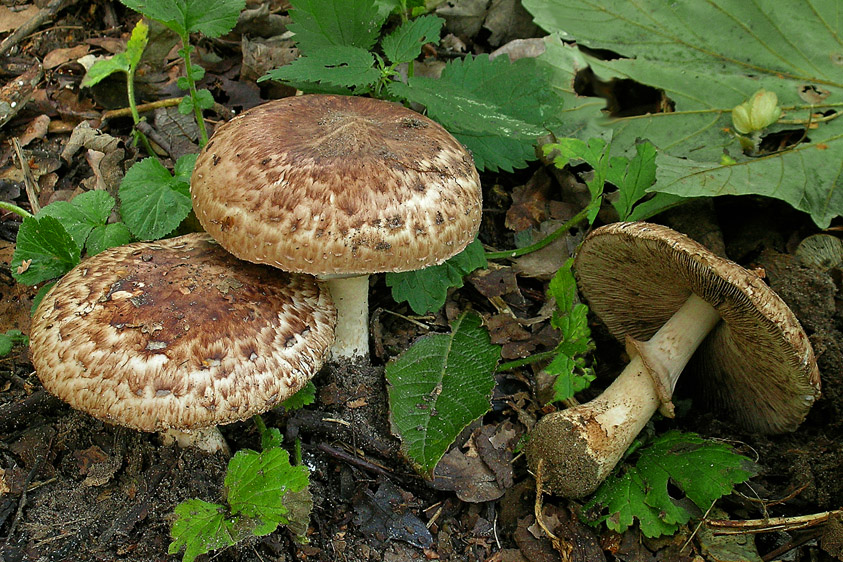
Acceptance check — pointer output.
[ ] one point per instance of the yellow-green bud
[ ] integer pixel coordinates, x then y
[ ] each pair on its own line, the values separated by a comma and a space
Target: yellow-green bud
758, 112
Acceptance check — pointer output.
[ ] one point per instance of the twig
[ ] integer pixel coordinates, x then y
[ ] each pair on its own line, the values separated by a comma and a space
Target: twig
547, 240
753, 526
353, 460
36, 21
142, 108
28, 179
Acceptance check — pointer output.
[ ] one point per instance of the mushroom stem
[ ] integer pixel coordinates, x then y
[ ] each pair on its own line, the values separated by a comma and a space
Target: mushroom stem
580, 446
351, 298
208, 439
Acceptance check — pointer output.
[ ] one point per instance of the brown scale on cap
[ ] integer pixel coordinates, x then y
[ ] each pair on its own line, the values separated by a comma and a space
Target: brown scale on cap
178, 334
337, 185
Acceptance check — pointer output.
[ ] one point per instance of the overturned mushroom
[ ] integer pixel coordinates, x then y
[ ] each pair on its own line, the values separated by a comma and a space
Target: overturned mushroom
178, 336
679, 308
339, 187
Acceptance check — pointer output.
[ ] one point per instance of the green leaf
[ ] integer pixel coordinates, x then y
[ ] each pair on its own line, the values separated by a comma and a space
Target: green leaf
405, 43
703, 470
204, 99
257, 484
10, 339
200, 527
632, 177
439, 386
334, 65
302, 398
324, 23
426, 289
570, 318
212, 18
705, 76
50, 248
107, 236
495, 107
121, 62
82, 214
152, 202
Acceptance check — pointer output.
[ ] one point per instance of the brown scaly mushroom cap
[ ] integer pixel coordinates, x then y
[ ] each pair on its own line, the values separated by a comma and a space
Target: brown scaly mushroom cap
757, 362
337, 185
178, 334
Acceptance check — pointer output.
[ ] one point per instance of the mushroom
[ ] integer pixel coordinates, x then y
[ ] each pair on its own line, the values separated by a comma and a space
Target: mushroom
679, 307
178, 336
339, 187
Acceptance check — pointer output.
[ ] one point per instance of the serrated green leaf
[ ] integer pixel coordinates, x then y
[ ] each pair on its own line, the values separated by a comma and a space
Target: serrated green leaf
703, 470
47, 247
10, 339
153, 202
257, 484
107, 236
438, 386
426, 289
200, 527
204, 99
496, 107
344, 66
571, 319
405, 43
104, 68
634, 178
212, 18
302, 398
270, 438
183, 168
324, 23
82, 214
705, 76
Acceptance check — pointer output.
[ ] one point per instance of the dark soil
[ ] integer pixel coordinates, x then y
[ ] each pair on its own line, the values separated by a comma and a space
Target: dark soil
76, 489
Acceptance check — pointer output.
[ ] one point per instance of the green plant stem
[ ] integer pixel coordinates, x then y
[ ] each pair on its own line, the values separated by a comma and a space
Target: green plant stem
543, 242
11, 207
514, 364
191, 87
259, 422
133, 107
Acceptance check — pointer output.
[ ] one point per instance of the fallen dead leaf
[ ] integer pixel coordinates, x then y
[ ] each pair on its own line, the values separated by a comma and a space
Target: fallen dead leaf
58, 57
12, 18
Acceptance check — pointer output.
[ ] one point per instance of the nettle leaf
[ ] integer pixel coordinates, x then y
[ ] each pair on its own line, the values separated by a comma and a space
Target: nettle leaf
82, 215
43, 250
425, 290
325, 23
153, 202
121, 62
201, 527
334, 65
438, 386
497, 108
405, 43
212, 18
702, 470
257, 484
705, 78
570, 318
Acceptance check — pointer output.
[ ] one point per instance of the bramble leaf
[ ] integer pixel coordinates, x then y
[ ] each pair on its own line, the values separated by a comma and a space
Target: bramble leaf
82, 215
425, 290
302, 398
153, 202
438, 386
212, 18
702, 470
326, 23
43, 250
405, 43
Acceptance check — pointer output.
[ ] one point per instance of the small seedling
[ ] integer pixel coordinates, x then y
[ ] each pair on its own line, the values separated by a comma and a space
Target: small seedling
10, 339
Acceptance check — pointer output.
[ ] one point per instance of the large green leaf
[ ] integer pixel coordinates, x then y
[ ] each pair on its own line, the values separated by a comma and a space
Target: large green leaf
709, 57
439, 386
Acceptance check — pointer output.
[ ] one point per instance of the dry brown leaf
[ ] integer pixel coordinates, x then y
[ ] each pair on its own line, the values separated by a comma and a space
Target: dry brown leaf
11, 18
